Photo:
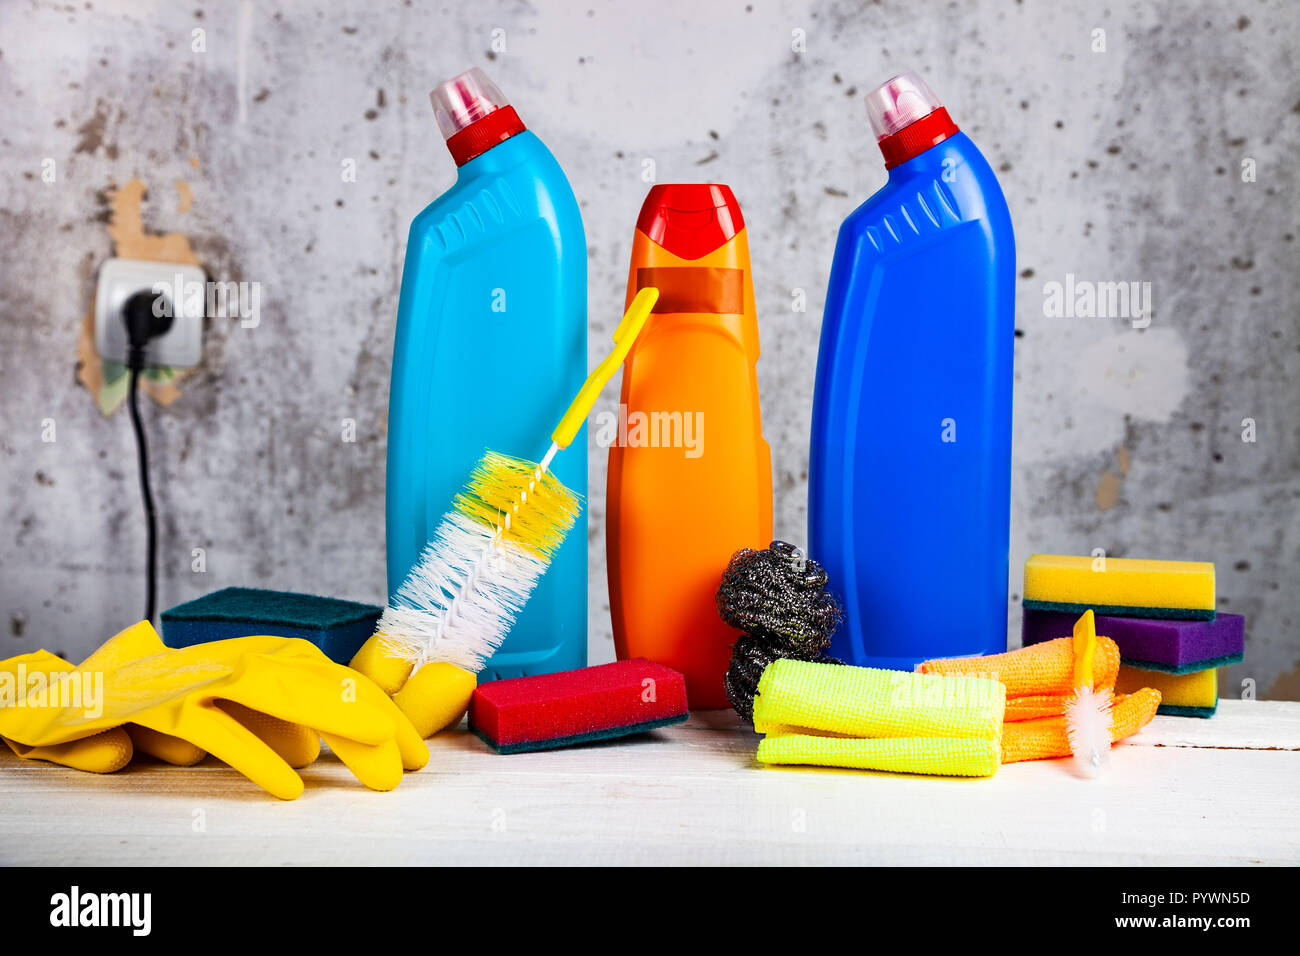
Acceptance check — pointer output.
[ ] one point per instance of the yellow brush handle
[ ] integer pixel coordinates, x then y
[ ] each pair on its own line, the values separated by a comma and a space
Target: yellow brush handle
633, 321
1085, 647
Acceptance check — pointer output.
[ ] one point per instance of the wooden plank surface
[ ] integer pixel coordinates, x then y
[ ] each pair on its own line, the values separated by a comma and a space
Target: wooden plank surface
1238, 725
1185, 791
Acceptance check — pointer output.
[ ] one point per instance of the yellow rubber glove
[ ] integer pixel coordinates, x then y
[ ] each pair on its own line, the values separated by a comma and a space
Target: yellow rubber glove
104, 752
112, 750
296, 744
190, 694
433, 698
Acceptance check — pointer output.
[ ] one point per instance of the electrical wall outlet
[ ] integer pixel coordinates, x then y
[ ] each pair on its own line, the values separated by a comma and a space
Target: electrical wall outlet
119, 279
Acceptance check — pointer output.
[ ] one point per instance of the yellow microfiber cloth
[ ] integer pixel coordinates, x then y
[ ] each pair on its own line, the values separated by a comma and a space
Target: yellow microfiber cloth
1121, 587
1181, 695
941, 756
861, 717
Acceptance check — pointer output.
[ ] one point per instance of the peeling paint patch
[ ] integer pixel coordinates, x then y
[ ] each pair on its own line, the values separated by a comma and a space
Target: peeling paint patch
1107, 490
1108, 485
132, 240
184, 196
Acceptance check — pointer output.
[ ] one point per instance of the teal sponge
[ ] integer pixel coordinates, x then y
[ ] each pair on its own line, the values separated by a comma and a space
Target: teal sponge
337, 627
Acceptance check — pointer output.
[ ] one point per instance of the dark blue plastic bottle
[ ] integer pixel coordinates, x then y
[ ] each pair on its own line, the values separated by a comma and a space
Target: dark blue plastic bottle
910, 462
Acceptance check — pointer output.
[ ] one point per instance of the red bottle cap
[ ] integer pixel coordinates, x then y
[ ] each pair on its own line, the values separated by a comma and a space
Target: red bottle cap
473, 115
907, 118
690, 220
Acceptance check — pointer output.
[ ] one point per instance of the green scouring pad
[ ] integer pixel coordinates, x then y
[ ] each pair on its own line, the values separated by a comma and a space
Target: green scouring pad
337, 627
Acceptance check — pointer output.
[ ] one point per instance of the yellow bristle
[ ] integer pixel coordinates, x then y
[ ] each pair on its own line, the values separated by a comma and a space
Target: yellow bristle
527, 506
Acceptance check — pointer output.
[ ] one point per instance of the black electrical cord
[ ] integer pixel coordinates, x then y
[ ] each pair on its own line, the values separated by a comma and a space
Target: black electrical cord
142, 454
145, 318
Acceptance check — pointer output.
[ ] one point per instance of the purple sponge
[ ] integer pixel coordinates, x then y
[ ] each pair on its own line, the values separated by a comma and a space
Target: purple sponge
1175, 647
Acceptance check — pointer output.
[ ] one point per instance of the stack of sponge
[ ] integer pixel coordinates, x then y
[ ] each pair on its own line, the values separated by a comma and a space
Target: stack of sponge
1161, 615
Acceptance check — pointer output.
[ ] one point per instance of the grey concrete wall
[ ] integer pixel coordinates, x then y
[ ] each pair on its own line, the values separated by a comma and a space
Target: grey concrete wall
1119, 165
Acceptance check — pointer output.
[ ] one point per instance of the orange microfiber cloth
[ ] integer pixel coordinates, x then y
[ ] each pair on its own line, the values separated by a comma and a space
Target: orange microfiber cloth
1045, 736
1039, 681
1040, 670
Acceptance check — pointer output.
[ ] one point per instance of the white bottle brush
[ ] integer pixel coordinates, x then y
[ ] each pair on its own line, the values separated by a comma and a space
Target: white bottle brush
474, 576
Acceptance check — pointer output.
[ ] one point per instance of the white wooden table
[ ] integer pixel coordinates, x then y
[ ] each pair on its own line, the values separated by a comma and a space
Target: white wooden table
1184, 791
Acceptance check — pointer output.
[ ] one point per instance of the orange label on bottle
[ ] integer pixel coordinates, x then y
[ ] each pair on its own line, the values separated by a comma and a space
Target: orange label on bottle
695, 289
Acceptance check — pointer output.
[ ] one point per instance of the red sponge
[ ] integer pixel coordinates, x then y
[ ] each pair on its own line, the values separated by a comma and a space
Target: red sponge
573, 707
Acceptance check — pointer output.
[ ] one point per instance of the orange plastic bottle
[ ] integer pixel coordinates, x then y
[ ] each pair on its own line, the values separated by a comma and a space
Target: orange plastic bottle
690, 475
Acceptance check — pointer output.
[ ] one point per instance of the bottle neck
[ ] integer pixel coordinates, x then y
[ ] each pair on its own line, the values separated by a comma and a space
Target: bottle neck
477, 138
915, 138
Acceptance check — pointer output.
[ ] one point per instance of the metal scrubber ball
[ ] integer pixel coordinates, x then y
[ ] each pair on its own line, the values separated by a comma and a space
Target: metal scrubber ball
749, 657
777, 597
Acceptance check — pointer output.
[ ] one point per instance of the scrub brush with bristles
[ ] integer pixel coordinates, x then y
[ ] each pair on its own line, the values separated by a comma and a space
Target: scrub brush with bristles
1088, 712
459, 601
475, 574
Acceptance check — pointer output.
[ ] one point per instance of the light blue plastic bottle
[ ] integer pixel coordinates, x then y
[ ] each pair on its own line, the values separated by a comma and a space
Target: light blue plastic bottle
491, 346
910, 462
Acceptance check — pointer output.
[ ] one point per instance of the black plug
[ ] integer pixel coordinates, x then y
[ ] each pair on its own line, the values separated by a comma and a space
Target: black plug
146, 315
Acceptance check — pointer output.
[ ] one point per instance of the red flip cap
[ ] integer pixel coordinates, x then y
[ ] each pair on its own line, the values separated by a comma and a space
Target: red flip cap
907, 118
690, 220
473, 115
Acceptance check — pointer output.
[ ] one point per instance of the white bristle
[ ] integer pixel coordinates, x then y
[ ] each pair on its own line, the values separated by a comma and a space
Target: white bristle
461, 598
1088, 727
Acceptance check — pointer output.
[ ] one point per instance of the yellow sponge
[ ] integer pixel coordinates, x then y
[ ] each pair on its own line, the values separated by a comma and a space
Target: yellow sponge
1181, 695
1120, 587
